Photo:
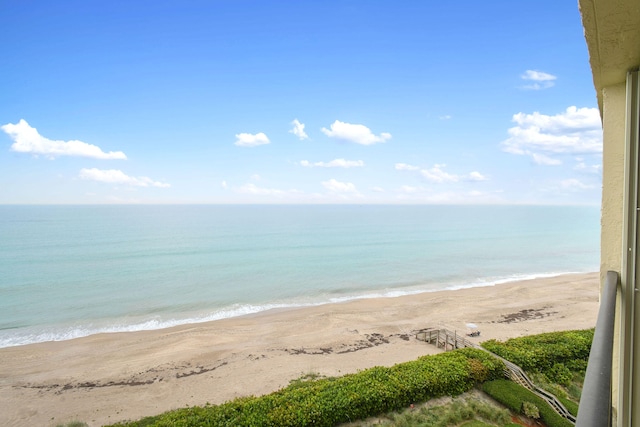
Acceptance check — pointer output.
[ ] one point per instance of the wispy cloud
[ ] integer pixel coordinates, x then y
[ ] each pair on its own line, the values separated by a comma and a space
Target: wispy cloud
115, 176
335, 191
28, 140
406, 167
336, 163
409, 194
298, 130
581, 166
355, 133
573, 184
251, 140
541, 80
541, 159
476, 176
410, 189
437, 175
339, 187
574, 131
253, 189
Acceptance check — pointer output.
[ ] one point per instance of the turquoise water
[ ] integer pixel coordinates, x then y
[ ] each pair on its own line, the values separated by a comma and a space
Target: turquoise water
71, 271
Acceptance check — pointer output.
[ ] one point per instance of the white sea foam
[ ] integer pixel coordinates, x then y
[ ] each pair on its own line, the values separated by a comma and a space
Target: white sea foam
14, 337
17, 337
509, 279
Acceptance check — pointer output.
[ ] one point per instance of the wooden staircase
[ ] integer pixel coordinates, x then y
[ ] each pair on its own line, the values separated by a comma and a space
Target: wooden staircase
448, 340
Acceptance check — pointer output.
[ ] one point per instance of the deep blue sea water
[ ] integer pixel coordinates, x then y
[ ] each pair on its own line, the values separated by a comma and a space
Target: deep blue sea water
71, 271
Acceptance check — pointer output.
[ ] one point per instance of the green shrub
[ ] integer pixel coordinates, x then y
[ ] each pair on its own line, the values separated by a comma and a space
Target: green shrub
541, 352
513, 396
559, 374
530, 410
577, 365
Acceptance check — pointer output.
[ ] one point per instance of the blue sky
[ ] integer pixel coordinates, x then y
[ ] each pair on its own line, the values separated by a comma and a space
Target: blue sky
247, 101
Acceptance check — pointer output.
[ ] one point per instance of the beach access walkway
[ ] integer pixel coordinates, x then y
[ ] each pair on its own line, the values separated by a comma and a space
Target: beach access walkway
451, 340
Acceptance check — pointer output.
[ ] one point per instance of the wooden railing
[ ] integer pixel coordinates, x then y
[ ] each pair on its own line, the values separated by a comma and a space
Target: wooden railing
450, 340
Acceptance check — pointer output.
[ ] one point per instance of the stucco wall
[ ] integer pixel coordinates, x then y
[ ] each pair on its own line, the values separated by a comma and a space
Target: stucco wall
611, 244
612, 178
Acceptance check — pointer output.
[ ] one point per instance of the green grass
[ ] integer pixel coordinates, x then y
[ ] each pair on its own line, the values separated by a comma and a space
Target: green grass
560, 391
513, 396
574, 390
468, 410
475, 423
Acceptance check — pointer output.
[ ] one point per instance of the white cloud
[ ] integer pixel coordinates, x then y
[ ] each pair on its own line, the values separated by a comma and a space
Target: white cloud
358, 134
573, 119
336, 163
408, 189
408, 194
581, 166
541, 159
476, 176
260, 191
336, 192
283, 195
115, 176
224, 185
28, 140
250, 140
339, 187
377, 189
298, 130
538, 76
575, 185
406, 167
423, 196
445, 117
574, 131
541, 80
437, 175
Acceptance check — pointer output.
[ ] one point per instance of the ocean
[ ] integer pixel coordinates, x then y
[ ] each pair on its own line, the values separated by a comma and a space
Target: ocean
73, 271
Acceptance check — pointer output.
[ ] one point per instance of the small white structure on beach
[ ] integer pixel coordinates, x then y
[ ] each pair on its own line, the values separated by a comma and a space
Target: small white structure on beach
472, 330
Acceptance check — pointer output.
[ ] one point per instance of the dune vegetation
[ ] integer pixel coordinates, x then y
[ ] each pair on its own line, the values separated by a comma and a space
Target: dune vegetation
391, 394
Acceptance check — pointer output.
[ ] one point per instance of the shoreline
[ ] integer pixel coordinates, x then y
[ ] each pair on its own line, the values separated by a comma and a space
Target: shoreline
84, 331
109, 377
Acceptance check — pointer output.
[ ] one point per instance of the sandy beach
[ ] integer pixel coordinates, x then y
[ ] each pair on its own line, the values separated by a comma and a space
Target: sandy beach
106, 378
